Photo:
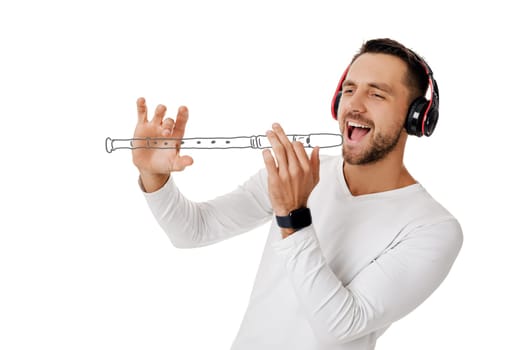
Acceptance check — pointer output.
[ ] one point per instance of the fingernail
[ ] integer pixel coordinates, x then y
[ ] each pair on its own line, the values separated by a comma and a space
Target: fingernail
165, 132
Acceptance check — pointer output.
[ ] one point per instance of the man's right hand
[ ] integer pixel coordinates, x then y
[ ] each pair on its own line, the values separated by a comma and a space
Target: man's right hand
155, 165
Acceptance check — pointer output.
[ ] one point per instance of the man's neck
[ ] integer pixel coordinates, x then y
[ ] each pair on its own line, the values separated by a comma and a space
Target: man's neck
384, 175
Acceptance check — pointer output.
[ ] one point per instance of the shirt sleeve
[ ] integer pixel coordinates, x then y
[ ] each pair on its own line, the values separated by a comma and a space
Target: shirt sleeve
191, 224
390, 287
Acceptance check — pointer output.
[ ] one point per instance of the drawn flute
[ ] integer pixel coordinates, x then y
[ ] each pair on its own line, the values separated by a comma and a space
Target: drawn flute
321, 140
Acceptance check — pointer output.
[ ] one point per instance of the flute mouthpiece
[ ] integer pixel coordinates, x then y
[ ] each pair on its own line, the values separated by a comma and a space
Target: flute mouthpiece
325, 140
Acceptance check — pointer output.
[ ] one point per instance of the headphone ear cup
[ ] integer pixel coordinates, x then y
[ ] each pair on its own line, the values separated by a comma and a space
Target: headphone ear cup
415, 116
432, 119
335, 104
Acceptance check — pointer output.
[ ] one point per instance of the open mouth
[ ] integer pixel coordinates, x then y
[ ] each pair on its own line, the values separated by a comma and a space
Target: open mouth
355, 131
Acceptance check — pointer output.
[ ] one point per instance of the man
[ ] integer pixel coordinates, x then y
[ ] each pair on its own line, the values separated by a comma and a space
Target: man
356, 242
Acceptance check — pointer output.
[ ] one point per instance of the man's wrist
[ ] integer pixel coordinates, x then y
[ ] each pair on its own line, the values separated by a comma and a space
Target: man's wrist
285, 232
152, 182
295, 220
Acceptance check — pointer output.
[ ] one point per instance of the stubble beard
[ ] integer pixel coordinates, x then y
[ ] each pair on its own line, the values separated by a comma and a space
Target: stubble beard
381, 146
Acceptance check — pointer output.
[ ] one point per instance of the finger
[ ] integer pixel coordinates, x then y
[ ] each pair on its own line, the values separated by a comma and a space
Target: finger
278, 150
160, 111
290, 152
142, 110
167, 127
180, 123
182, 163
269, 162
301, 155
315, 164
282, 136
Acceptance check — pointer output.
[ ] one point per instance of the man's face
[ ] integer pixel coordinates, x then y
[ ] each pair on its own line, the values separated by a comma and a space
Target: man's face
373, 108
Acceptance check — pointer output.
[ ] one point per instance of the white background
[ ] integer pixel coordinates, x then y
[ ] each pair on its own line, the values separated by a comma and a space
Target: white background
83, 264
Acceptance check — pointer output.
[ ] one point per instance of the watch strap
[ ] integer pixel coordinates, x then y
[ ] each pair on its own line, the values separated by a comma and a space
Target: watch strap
296, 219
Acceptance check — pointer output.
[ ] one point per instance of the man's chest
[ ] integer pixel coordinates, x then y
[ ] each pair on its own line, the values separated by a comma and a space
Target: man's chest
354, 233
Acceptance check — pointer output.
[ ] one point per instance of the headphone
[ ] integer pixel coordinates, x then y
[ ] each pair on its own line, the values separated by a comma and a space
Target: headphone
422, 115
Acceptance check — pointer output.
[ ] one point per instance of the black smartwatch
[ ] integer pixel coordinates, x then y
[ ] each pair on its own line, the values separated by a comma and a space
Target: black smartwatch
297, 219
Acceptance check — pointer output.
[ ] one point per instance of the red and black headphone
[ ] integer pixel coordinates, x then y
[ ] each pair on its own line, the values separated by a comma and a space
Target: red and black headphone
422, 115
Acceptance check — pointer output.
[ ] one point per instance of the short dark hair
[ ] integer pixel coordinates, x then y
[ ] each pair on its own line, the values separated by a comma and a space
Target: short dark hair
416, 77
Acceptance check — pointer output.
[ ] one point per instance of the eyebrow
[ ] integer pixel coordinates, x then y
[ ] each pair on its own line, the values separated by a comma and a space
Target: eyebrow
381, 86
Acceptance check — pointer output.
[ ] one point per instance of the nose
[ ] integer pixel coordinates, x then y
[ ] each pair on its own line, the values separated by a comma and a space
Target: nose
354, 103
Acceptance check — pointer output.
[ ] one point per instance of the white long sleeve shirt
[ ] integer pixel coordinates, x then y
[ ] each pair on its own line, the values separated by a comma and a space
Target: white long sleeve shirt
365, 262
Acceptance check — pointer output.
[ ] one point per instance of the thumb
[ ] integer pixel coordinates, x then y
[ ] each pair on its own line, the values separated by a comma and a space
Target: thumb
181, 163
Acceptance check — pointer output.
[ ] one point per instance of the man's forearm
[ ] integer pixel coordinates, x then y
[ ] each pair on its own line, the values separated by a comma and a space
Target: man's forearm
191, 224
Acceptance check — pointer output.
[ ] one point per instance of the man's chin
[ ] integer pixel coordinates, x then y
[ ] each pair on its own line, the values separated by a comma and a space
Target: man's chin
352, 157
367, 156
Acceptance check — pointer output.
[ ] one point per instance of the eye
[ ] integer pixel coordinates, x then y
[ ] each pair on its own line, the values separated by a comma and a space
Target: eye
378, 96
348, 90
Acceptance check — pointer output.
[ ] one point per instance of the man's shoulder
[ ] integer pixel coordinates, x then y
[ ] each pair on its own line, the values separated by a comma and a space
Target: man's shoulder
427, 210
